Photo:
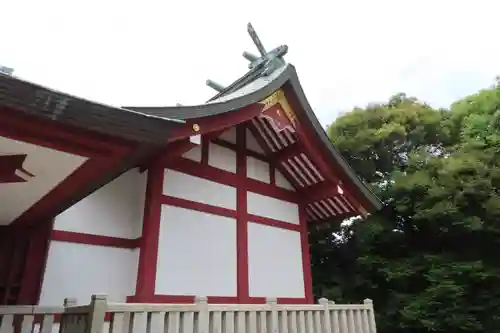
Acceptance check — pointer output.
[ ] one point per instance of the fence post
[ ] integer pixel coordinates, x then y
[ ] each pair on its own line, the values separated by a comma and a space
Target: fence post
326, 323
67, 322
97, 314
371, 315
273, 302
69, 301
203, 315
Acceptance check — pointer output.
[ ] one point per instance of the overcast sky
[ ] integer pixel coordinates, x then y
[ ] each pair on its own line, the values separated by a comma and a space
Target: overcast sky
347, 52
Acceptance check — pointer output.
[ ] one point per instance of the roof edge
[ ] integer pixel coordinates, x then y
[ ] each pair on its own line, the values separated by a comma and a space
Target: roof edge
318, 128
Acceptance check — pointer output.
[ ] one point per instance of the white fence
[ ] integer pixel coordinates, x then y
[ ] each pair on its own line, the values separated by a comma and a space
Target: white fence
200, 317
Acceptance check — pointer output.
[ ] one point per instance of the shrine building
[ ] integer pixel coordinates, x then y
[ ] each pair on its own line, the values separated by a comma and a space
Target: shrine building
162, 204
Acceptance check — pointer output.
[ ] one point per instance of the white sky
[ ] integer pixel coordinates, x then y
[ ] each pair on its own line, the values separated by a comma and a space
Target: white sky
347, 52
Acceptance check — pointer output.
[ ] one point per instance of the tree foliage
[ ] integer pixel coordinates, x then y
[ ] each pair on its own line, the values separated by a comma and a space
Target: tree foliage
429, 258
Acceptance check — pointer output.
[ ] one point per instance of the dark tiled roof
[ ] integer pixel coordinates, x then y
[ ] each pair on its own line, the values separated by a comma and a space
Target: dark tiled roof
39, 101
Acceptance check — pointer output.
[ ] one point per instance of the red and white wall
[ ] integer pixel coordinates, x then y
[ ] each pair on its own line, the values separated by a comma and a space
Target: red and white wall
94, 246
218, 222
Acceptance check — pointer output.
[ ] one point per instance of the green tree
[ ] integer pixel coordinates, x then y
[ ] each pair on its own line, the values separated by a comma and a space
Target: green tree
429, 259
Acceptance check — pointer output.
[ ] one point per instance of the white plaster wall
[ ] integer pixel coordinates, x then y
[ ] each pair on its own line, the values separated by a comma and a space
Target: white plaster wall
257, 169
194, 154
80, 270
229, 135
221, 158
49, 167
282, 182
262, 205
196, 254
181, 185
274, 262
252, 143
114, 210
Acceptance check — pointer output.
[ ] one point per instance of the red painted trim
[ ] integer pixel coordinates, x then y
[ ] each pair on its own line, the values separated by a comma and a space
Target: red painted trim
228, 178
9, 164
197, 206
36, 260
146, 273
62, 137
205, 147
83, 238
320, 155
217, 123
206, 172
46, 207
173, 151
273, 223
242, 217
205, 208
272, 174
306, 259
233, 147
269, 190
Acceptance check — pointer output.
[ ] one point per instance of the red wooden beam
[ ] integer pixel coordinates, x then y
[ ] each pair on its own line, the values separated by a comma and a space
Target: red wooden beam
287, 153
216, 123
11, 169
62, 137
319, 191
175, 150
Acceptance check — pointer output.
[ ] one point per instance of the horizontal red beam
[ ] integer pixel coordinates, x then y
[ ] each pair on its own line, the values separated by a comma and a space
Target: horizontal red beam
232, 146
83, 238
228, 178
216, 123
319, 191
62, 137
205, 208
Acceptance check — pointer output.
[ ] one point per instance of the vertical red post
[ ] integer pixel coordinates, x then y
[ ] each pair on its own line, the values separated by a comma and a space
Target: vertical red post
242, 216
35, 258
306, 259
148, 256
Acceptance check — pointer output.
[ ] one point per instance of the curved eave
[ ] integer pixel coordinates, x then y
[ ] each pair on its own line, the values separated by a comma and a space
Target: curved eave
335, 155
254, 92
251, 93
35, 100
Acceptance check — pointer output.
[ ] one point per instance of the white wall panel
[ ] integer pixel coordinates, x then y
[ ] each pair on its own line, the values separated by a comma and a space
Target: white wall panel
262, 205
282, 182
229, 135
252, 143
197, 254
181, 185
194, 154
81, 270
274, 262
114, 210
257, 169
222, 158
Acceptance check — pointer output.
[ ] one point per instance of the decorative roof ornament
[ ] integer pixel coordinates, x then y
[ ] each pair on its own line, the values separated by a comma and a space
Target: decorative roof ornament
272, 60
266, 63
215, 86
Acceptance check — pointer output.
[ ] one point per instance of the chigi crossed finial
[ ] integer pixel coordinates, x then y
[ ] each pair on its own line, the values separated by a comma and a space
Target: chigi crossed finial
271, 60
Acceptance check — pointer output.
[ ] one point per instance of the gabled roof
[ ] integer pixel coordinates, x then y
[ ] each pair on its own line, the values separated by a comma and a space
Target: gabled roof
153, 127
36, 100
253, 88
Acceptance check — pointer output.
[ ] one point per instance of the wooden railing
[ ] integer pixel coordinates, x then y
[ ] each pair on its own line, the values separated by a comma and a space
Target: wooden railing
200, 317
